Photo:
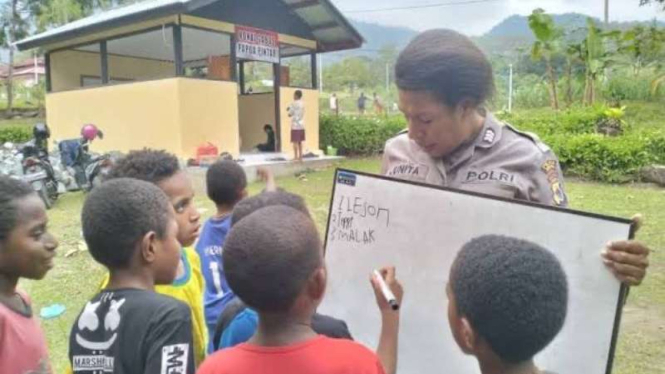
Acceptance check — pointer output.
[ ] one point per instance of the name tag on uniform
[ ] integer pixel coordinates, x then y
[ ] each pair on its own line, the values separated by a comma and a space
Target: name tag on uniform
410, 171
475, 176
491, 182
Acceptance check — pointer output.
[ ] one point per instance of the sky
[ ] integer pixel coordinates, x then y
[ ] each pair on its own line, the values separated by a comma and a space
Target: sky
476, 18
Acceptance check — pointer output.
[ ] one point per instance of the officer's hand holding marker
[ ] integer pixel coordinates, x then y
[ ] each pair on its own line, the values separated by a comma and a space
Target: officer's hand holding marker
628, 259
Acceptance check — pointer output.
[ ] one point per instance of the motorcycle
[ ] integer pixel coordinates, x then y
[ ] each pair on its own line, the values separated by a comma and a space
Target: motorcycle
88, 170
10, 161
97, 170
39, 173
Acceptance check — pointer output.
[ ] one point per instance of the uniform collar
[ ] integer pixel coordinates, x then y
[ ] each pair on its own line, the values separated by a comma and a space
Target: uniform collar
488, 135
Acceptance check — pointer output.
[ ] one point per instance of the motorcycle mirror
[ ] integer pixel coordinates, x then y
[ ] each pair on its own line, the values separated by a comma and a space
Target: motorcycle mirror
100, 134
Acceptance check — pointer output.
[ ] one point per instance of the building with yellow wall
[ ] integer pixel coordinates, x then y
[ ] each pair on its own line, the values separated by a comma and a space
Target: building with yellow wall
176, 74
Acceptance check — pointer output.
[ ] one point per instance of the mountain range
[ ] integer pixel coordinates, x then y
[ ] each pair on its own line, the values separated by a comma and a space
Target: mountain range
510, 34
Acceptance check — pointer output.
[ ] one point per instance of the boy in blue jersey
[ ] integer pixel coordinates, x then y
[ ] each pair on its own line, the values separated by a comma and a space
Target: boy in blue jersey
226, 185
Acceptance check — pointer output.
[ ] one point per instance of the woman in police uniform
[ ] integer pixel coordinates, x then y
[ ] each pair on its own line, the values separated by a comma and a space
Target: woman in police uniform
444, 81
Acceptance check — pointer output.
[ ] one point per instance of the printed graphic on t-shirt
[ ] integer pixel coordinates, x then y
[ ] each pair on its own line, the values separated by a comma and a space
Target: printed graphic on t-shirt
174, 359
89, 321
132, 331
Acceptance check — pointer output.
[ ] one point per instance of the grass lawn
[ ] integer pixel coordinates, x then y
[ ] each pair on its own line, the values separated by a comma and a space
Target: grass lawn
642, 341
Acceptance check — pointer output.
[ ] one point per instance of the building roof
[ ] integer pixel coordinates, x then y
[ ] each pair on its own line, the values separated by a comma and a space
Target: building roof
327, 25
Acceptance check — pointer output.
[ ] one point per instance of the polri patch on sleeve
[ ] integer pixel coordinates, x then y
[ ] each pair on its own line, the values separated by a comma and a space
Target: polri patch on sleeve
551, 169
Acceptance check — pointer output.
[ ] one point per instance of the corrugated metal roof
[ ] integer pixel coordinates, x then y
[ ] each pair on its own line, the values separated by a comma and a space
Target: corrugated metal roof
330, 28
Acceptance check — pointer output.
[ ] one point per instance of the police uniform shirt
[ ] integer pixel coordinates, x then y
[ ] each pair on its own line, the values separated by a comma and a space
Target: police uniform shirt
499, 161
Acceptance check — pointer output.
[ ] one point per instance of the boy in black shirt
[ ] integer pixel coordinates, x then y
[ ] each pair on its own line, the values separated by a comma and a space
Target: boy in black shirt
130, 228
507, 301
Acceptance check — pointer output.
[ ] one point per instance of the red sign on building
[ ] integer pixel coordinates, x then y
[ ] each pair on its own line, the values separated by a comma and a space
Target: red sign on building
256, 44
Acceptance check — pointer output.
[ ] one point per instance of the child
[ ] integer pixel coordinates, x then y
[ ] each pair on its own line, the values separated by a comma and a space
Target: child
273, 261
297, 113
237, 323
507, 301
269, 145
226, 185
130, 228
26, 251
163, 170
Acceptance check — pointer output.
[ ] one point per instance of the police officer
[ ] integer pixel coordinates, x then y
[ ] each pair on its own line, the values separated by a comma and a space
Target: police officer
444, 81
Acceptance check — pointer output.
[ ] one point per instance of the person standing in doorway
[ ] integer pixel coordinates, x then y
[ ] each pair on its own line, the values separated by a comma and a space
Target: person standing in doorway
297, 113
334, 105
362, 102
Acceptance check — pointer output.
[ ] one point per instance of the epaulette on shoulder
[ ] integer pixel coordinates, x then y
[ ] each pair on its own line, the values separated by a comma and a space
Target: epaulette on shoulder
531, 136
405, 131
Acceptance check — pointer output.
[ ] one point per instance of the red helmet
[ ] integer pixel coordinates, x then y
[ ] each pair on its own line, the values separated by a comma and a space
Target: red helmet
90, 132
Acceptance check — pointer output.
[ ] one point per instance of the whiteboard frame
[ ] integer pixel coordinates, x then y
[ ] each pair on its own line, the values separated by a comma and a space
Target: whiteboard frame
623, 290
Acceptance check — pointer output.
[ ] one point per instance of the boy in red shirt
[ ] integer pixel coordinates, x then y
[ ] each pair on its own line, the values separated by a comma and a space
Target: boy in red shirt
273, 260
26, 251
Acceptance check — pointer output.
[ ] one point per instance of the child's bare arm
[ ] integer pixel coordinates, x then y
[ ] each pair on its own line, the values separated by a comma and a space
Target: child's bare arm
388, 340
266, 176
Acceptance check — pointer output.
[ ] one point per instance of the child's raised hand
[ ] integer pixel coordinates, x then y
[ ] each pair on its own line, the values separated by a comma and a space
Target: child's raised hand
267, 177
388, 275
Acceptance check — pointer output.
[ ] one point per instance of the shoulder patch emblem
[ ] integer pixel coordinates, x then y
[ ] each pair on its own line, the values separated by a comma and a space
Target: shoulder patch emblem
489, 136
552, 171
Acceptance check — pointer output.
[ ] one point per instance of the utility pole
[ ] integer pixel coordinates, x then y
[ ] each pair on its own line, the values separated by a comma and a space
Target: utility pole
387, 79
320, 73
510, 90
607, 12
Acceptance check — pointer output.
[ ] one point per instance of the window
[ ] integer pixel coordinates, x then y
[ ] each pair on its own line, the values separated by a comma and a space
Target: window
71, 65
140, 57
206, 54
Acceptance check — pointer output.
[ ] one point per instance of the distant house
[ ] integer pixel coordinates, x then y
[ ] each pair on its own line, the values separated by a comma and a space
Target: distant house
26, 73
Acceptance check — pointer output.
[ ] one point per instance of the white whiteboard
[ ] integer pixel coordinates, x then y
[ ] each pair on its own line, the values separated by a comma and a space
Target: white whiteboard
376, 221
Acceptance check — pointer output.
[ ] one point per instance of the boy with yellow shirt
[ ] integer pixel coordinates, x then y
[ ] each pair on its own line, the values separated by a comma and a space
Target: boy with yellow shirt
163, 169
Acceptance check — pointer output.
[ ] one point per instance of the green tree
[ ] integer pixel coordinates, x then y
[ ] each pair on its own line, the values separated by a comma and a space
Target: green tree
52, 13
546, 46
350, 73
597, 57
643, 46
574, 55
15, 26
645, 2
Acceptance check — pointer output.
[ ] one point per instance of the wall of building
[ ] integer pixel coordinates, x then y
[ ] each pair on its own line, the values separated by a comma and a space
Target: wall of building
311, 99
255, 111
67, 68
132, 116
208, 112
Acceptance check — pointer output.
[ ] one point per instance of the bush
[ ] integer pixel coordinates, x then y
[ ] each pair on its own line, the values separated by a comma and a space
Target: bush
356, 136
15, 134
547, 122
609, 159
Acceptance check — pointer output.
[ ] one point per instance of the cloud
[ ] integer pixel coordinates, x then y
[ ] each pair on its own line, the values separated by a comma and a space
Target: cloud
478, 18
